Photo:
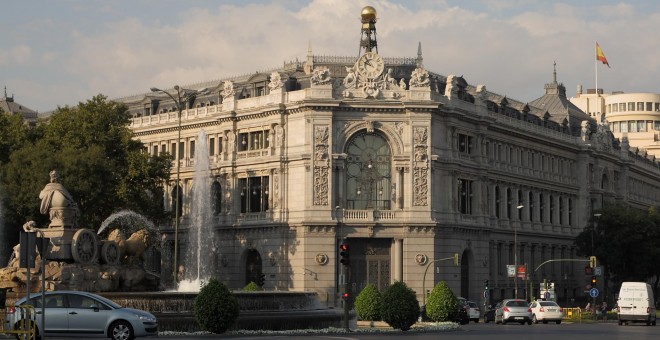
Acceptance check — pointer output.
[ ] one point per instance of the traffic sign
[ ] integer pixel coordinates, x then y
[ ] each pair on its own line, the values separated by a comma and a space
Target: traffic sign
598, 271
547, 295
486, 295
593, 292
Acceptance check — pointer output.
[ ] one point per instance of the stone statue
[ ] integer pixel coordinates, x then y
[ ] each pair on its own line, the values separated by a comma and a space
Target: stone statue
390, 82
275, 81
321, 76
58, 203
350, 80
419, 78
228, 89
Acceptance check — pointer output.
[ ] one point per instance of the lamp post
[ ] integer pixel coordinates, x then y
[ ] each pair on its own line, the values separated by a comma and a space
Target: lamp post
182, 97
515, 255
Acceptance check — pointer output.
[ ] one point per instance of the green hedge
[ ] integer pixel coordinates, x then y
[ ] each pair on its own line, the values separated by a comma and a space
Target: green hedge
399, 306
215, 307
367, 303
442, 304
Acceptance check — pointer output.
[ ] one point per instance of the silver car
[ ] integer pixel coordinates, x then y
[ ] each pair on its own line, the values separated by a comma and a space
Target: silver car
75, 314
513, 310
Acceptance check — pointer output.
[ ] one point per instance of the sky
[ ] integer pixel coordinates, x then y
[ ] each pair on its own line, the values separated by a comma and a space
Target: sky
59, 53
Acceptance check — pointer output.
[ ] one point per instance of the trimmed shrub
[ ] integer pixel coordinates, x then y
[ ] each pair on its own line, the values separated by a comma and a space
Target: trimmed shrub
251, 287
399, 306
442, 304
367, 303
215, 307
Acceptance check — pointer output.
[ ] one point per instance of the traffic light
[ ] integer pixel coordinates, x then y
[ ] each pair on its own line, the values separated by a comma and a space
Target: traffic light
344, 296
594, 280
343, 253
261, 280
592, 261
485, 284
455, 259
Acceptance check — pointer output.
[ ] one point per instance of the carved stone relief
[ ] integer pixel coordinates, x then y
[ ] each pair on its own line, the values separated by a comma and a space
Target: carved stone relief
321, 165
420, 169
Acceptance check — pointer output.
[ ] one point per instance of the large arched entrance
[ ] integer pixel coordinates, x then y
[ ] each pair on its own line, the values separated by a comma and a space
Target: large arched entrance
368, 172
465, 275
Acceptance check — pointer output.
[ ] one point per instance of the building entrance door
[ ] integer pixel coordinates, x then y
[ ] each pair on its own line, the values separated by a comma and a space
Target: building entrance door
378, 271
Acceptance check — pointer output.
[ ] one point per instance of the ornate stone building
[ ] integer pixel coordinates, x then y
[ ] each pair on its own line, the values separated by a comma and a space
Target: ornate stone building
407, 165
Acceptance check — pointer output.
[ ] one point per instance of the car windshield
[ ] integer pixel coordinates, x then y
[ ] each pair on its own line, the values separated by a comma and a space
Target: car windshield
548, 304
473, 305
516, 303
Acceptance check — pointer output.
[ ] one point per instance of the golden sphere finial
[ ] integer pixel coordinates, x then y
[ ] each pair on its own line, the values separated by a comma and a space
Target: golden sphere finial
368, 14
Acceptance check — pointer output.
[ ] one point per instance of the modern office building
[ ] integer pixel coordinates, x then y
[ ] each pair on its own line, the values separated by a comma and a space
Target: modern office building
631, 116
406, 166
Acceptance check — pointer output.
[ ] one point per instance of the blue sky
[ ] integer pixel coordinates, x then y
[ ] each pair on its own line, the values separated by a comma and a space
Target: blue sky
56, 53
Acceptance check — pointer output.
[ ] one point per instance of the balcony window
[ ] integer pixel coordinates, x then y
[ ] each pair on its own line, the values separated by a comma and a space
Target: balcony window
465, 196
254, 194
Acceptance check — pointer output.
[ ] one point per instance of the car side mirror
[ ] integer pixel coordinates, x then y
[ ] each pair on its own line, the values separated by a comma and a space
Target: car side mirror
95, 307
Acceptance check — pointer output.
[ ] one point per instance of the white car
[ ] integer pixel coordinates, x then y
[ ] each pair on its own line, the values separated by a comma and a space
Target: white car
473, 312
545, 311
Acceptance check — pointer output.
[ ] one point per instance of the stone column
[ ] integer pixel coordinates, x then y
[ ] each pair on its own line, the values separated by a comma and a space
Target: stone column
398, 260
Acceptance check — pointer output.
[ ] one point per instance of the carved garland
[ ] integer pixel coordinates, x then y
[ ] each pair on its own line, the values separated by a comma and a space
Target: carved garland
420, 168
321, 165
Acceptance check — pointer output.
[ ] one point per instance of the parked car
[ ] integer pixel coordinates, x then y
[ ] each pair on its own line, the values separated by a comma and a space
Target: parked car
513, 310
545, 311
489, 313
474, 312
75, 314
463, 315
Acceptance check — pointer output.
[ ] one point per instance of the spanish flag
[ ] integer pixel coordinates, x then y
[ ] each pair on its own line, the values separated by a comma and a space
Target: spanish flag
601, 56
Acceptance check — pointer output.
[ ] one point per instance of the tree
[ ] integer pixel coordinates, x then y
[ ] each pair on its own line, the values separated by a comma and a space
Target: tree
101, 164
367, 303
626, 242
399, 306
215, 308
442, 304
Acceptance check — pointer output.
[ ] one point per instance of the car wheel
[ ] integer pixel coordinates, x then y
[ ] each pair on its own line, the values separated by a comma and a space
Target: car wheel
503, 322
476, 320
534, 319
20, 325
529, 322
558, 322
620, 323
121, 330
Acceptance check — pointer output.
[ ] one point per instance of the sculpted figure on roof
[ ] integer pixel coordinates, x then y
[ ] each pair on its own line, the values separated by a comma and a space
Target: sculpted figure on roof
275, 81
228, 89
350, 81
321, 76
419, 78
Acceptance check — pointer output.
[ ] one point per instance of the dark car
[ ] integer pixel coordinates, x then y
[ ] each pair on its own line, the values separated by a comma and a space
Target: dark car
489, 314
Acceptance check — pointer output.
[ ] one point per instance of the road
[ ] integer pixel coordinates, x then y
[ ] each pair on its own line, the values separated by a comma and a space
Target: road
480, 331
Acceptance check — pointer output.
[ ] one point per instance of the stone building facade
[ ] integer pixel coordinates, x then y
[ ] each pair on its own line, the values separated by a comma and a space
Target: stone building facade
408, 166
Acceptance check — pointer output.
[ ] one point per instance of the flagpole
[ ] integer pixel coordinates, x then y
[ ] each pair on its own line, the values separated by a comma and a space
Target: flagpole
596, 71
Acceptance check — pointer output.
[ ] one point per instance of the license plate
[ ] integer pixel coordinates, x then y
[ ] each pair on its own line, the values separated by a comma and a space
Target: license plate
552, 310
518, 318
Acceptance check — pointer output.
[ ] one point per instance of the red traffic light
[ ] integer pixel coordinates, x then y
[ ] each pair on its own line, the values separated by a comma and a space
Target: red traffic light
344, 296
343, 247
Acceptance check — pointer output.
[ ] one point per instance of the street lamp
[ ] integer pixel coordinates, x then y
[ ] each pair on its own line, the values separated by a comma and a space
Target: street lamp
31, 227
182, 97
515, 255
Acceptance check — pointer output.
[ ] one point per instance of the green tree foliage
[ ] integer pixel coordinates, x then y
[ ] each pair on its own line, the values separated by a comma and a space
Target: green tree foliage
399, 306
100, 164
215, 308
367, 303
252, 287
625, 240
442, 304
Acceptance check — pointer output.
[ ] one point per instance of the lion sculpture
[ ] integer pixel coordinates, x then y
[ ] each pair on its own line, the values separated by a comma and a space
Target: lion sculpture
130, 249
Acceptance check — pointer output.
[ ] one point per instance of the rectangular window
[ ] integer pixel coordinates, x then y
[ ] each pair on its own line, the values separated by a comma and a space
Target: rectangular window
656, 125
464, 143
465, 196
181, 150
640, 106
192, 149
622, 107
641, 126
211, 146
219, 144
615, 108
254, 194
155, 148
624, 126
163, 148
649, 106
632, 126
242, 142
631, 106
173, 149
616, 127
657, 106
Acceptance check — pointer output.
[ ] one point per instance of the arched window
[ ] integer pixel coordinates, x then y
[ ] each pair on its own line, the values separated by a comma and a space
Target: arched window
177, 191
368, 172
497, 202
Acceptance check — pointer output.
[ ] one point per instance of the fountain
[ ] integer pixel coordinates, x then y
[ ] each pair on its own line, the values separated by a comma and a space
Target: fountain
199, 244
81, 259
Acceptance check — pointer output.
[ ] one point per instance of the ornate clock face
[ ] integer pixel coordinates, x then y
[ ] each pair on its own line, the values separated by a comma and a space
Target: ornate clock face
370, 65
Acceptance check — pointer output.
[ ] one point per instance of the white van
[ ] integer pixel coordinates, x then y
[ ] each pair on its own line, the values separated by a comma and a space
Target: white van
636, 303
